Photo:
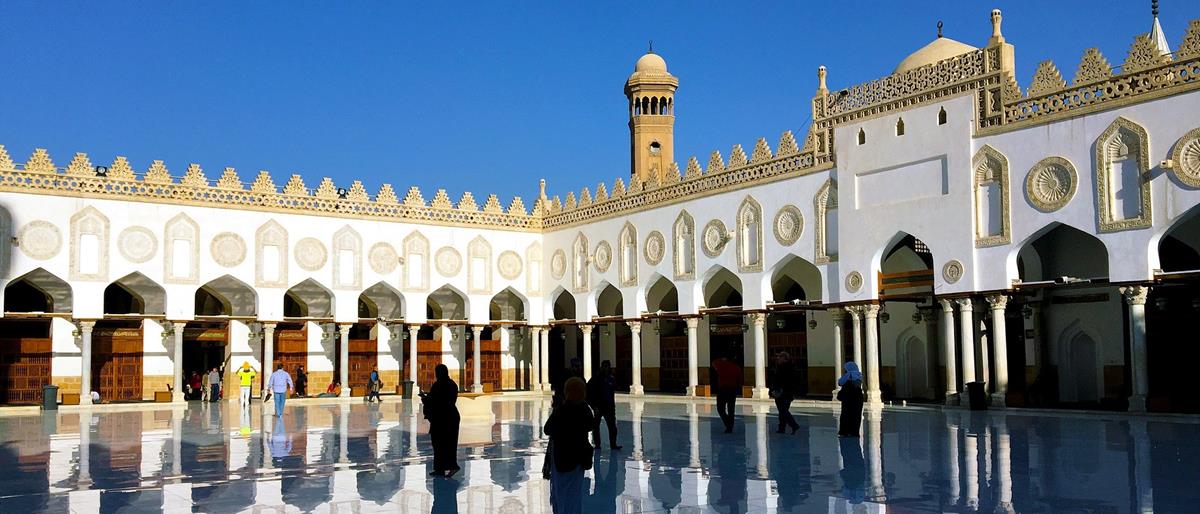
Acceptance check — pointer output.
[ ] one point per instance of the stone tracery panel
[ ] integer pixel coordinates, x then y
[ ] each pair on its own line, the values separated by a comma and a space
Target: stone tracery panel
1051, 183
1186, 156
655, 248
228, 249
627, 256
579, 264
448, 261
383, 258
558, 264
749, 236
416, 262
137, 244
181, 250
479, 266
789, 224
825, 204
310, 254
683, 239
603, 256
509, 264
271, 255
347, 259
714, 238
990, 182
40, 240
533, 276
1122, 177
89, 245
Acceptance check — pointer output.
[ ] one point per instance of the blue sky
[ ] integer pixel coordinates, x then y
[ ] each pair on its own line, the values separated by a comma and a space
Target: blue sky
486, 97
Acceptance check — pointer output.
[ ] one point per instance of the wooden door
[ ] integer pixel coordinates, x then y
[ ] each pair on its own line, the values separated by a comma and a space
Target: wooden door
117, 363
291, 348
489, 374
673, 364
796, 346
429, 355
363, 358
26, 353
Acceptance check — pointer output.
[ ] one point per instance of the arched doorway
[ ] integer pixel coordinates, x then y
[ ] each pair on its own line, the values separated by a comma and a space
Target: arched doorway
444, 339
26, 348
208, 340
614, 341
118, 340
906, 280
1171, 309
726, 324
564, 338
504, 363
793, 282
308, 305
669, 334
378, 304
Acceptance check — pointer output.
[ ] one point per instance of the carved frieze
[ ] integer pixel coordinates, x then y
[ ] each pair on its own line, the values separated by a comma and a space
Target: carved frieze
40, 240
714, 238
448, 261
789, 224
310, 254
137, 244
228, 249
1051, 184
655, 248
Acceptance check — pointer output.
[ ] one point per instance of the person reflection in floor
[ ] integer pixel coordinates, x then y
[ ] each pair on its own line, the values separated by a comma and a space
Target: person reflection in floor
609, 478
851, 396
445, 496
854, 470
727, 490
440, 410
568, 428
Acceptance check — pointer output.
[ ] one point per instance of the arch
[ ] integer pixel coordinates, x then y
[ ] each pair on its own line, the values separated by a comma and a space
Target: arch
941, 117
416, 262
1177, 248
479, 266
899, 126
226, 296
1079, 360
913, 349
564, 305
38, 291
627, 255
347, 259
654, 105
579, 263
608, 300
749, 236
89, 245
381, 301
683, 237
793, 273
1123, 177
904, 265
825, 204
508, 305
135, 294
1059, 250
722, 288
645, 105
447, 302
181, 250
308, 299
662, 295
992, 212
533, 276
270, 255
862, 137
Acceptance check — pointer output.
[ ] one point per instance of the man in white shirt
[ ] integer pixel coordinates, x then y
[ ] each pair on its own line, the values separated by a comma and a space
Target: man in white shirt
280, 385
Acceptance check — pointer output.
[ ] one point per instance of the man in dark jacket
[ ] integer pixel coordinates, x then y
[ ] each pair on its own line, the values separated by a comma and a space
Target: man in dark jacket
784, 387
729, 387
601, 391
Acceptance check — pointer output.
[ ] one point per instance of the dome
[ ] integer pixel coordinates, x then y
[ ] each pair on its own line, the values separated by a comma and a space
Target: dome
940, 49
651, 63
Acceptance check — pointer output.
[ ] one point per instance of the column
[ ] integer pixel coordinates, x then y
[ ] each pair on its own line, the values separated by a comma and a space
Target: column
587, 351
505, 348
946, 341
758, 321
999, 338
693, 356
1135, 296
177, 380
546, 358
871, 322
635, 329
268, 363
85, 362
535, 368
344, 358
856, 332
966, 335
930, 316
412, 356
837, 315
477, 387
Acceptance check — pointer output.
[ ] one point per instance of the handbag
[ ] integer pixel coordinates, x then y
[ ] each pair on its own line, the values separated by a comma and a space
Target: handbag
267, 398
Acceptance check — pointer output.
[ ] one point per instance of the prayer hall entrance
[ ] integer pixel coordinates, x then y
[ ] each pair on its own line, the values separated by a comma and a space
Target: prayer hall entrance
117, 360
25, 356
205, 346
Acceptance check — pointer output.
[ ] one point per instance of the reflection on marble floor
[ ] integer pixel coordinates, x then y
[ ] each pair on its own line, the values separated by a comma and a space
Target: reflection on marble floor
351, 457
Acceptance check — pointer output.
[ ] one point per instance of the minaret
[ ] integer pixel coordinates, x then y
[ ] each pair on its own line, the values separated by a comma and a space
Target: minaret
1156, 31
651, 93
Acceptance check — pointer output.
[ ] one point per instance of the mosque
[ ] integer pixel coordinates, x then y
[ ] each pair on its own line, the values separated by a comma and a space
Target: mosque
942, 225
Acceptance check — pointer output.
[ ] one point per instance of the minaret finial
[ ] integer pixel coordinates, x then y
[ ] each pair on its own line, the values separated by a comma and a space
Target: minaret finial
651, 50
939, 28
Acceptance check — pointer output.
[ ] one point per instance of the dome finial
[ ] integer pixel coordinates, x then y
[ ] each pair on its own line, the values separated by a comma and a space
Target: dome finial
939, 28
651, 49
1154, 8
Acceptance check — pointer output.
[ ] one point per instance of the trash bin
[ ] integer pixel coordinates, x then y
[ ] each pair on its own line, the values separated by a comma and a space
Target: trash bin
977, 395
408, 389
49, 397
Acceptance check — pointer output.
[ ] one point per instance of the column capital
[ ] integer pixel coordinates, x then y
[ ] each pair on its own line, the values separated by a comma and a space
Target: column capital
997, 301
947, 304
964, 304
86, 324
268, 325
870, 311
344, 328
757, 318
692, 323
413, 329
1135, 295
178, 325
477, 329
855, 312
535, 329
634, 325
586, 329
928, 314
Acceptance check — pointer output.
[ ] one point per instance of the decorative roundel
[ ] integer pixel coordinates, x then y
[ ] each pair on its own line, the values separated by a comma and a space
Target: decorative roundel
1187, 158
655, 248
40, 240
603, 256
383, 258
310, 254
448, 261
137, 244
1051, 183
510, 264
854, 281
558, 264
789, 224
228, 249
952, 271
714, 238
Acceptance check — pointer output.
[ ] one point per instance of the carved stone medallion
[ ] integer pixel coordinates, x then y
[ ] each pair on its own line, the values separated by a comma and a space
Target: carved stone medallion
854, 281
789, 224
714, 238
1051, 183
510, 264
952, 271
1187, 158
40, 240
137, 244
310, 254
558, 264
603, 256
383, 258
228, 249
447, 261
655, 248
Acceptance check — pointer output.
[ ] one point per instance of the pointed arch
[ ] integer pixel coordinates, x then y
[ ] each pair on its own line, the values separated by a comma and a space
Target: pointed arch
794, 278
627, 255
564, 305
447, 302
904, 266
181, 250
683, 237
608, 300
308, 299
825, 204
347, 259
721, 288
509, 305
1059, 250
416, 262
479, 266
579, 263
1123, 177
662, 295
89, 245
749, 236
270, 255
226, 296
1177, 248
38, 291
135, 294
381, 301
992, 207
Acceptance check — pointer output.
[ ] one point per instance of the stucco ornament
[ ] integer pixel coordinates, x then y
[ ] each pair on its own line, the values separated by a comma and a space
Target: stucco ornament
310, 254
448, 261
1187, 158
137, 244
715, 238
383, 258
952, 271
854, 281
40, 240
655, 248
603, 256
1051, 183
228, 249
510, 264
558, 264
789, 224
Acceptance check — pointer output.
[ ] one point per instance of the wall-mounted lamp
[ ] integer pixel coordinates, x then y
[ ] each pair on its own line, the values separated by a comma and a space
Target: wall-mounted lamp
1027, 311
1160, 303
780, 323
884, 317
812, 324
16, 241
916, 317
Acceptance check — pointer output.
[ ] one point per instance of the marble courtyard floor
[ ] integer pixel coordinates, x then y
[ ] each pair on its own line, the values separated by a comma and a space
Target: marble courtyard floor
346, 456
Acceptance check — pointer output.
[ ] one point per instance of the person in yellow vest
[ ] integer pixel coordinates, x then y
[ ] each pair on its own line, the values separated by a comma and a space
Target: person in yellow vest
246, 376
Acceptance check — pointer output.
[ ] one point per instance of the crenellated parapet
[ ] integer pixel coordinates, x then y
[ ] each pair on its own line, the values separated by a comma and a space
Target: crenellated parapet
80, 178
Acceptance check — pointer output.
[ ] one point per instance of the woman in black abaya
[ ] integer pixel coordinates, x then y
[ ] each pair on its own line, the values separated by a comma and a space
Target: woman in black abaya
443, 422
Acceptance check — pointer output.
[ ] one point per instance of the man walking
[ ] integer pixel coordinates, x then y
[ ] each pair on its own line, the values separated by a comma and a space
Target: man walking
214, 385
785, 388
729, 387
280, 385
601, 395
246, 376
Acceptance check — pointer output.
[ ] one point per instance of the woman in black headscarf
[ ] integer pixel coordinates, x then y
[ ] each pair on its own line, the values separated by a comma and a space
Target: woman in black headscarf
443, 422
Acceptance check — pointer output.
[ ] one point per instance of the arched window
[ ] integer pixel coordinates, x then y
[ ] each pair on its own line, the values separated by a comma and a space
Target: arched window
991, 197
181, 242
862, 137
1122, 186
479, 266
684, 237
628, 255
942, 116
416, 262
579, 264
749, 236
825, 205
900, 126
